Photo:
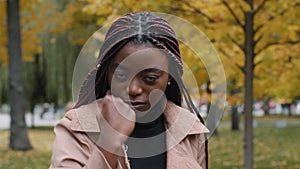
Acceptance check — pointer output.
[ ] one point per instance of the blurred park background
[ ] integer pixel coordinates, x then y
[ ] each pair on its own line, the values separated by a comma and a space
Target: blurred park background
258, 42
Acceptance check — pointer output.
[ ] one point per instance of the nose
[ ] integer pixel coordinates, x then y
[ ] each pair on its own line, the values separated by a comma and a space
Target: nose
134, 88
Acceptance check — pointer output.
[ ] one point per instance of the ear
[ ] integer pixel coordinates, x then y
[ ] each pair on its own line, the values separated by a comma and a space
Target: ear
169, 78
169, 81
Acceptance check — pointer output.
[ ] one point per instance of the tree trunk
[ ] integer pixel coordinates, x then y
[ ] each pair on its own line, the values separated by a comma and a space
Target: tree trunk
248, 101
18, 130
234, 118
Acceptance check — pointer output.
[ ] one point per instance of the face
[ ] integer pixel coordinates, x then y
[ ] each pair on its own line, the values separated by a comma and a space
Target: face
139, 75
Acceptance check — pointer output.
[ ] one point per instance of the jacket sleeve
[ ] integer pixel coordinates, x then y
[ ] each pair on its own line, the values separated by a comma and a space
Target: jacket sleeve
202, 156
73, 150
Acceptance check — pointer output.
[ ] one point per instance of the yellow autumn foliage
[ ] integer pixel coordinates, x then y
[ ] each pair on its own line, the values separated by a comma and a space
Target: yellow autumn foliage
33, 21
277, 22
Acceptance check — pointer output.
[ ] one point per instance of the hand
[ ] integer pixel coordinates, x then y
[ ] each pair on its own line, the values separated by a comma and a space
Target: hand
116, 123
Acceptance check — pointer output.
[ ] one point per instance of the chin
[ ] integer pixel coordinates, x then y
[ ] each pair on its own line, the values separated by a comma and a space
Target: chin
147, 115
141, 112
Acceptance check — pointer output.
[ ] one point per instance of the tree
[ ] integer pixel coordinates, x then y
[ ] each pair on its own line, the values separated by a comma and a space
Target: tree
18, 131
250, 35
280, 77
31, 26
46, 36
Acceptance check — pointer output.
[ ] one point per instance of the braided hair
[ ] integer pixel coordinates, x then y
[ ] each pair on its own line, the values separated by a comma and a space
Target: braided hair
142, 28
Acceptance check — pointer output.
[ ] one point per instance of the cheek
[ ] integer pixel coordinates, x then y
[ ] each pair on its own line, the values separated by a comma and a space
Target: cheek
165, 81
118, 89
156, 95
115, 87
159, 91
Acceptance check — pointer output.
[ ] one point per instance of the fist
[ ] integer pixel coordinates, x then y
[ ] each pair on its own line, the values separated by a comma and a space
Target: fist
116, 122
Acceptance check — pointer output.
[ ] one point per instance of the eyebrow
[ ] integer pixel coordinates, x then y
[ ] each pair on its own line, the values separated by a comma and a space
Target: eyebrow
154, 69
116, 65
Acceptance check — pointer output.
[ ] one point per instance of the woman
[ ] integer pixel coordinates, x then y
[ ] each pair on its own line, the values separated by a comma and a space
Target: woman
128, 113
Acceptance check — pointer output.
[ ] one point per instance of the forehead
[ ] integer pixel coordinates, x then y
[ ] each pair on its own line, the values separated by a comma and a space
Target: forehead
140, 57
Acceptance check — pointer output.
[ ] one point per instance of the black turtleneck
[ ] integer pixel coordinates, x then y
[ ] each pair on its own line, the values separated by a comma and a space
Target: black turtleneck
147, 145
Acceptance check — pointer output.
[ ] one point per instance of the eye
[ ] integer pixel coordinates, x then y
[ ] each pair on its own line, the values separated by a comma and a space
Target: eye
120, 76
150, 79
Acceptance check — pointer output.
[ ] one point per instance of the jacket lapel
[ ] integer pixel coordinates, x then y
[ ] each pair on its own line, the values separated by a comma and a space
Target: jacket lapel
179, 123
84, 119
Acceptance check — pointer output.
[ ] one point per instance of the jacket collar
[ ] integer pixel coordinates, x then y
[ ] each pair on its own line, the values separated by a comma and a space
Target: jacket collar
179, 121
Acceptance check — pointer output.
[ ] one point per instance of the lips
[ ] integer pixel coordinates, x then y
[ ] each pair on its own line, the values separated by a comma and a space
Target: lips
139, 105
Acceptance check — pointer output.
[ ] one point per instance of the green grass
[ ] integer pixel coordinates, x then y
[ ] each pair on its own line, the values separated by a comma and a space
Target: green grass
275, 148
38, 158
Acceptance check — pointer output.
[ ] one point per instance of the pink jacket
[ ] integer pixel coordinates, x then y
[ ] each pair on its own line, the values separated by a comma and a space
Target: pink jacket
74, 149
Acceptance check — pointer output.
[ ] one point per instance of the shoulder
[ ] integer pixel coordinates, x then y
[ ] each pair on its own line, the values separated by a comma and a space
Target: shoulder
184, 129
183, 120
82, 119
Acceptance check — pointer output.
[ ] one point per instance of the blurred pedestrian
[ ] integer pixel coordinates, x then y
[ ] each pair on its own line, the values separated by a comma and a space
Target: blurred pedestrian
46, 107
